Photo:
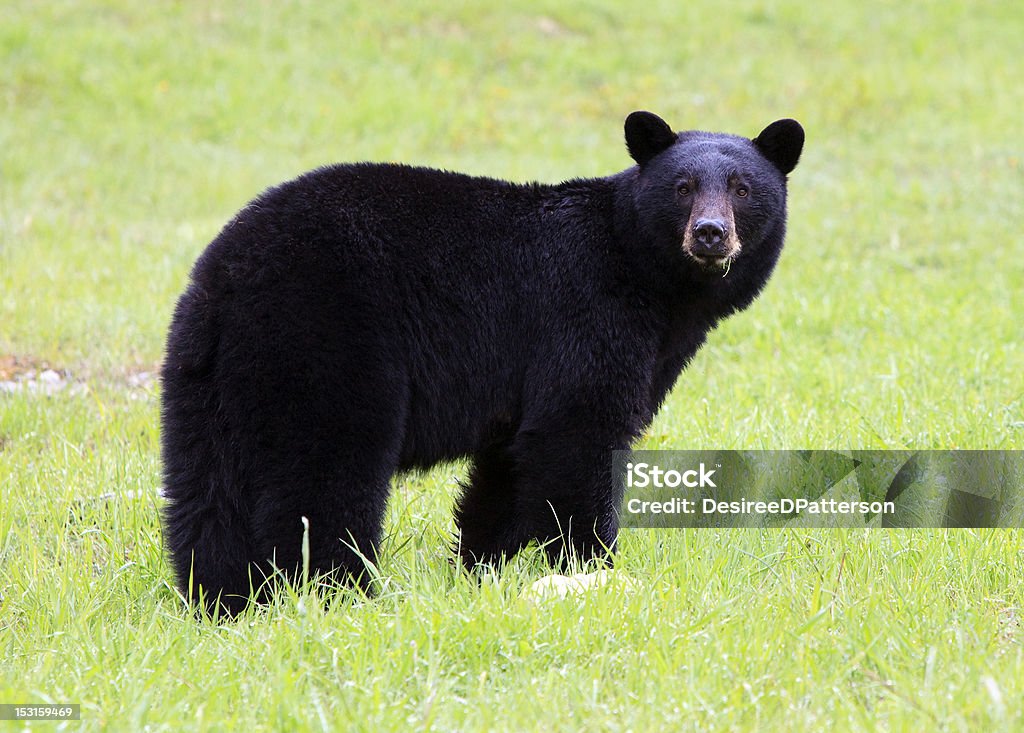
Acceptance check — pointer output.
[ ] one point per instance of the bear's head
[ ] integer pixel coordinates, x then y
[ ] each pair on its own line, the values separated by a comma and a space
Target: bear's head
715, 202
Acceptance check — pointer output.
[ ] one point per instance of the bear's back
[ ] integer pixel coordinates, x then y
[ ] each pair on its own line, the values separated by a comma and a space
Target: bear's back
369, 216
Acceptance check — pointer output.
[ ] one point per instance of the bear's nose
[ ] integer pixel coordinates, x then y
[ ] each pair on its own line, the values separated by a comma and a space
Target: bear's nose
709, 232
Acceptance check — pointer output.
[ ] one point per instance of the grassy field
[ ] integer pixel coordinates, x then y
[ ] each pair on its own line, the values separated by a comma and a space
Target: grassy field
131, 132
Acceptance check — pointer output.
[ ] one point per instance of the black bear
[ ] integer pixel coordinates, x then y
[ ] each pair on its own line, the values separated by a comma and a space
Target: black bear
366, 319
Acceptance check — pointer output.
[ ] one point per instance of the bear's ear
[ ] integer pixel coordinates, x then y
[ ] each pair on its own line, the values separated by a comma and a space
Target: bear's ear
781, 143
647, 135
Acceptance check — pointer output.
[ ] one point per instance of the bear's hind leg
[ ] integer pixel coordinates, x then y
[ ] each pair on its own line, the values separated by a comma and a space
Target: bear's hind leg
323, 403
343, 504
210, 546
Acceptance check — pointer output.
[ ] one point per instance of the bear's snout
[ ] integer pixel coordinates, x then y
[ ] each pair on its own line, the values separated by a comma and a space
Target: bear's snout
709, 238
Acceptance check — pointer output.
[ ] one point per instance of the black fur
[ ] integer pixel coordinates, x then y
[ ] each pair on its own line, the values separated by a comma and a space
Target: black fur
647, 135
367, 319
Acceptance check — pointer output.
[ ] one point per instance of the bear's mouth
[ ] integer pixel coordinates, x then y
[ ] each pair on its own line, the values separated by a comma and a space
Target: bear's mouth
713, 262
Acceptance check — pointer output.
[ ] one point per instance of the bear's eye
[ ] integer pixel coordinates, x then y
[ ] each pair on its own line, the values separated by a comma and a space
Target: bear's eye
684, 189
742, 192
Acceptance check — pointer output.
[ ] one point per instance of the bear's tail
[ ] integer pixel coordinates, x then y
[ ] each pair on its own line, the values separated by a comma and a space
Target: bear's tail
206, 526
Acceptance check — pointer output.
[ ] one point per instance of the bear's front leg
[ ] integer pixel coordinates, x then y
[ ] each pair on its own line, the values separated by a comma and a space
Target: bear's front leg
566, 495
485, 516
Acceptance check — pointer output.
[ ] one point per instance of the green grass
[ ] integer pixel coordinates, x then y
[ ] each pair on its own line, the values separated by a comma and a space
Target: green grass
131, 132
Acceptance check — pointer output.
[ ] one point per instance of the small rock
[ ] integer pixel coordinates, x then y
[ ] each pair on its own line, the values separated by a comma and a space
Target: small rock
560, 586
140, 379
